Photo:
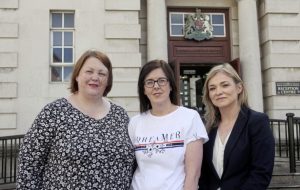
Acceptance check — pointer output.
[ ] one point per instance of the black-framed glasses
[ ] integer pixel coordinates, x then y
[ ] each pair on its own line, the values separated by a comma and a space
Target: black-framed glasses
160, 81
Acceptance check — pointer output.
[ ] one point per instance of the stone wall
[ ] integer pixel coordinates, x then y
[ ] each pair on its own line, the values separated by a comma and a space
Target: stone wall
111, 26
280, 53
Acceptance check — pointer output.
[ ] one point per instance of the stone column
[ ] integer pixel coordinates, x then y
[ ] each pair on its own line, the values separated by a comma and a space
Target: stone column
157, 43
249, 52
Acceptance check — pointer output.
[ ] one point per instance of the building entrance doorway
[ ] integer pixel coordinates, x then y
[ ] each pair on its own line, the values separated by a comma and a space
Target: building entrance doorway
192, 59
191, 81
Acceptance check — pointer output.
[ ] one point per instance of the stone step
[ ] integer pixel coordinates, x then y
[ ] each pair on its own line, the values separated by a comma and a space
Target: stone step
281, 165
282, 178
281, 187
286, 179
10, 186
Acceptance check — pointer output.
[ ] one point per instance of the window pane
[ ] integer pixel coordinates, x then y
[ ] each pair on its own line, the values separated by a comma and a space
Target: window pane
57, 55
57, 20
217, 19
176, 18
68, 39
218, 30
177, 30
68, 55
69, 20
56, 74
57, 38
67, 73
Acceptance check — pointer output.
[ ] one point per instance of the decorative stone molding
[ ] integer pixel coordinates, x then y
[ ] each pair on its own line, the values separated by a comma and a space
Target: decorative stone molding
197, 26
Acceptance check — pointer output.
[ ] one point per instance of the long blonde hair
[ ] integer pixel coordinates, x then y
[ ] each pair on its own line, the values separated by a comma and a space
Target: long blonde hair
212, 114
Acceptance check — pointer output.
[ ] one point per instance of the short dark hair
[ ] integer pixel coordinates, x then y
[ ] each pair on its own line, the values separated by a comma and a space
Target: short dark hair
145, 104
81, 61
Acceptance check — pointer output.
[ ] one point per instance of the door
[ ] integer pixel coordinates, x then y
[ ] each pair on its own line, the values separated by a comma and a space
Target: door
190, 79
192, 58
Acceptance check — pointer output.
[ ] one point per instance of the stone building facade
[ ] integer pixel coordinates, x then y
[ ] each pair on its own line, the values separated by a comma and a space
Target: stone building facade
39, 42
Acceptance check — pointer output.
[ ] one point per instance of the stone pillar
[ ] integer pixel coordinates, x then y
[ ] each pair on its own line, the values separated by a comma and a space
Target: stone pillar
249, 52
157, 43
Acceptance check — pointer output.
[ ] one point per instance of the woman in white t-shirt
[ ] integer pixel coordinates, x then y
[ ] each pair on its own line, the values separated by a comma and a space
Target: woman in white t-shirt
168, 138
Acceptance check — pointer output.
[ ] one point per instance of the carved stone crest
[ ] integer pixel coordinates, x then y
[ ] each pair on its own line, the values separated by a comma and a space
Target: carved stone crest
197, 26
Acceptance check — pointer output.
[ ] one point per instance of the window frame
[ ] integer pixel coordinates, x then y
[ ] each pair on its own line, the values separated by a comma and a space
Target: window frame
63, 30
183, 24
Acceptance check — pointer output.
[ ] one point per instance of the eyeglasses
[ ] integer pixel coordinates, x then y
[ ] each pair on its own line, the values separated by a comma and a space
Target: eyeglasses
160, 81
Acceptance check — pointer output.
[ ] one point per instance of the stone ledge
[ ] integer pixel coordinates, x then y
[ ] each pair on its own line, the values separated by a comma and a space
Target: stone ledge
279, 6
10, 186
275, 60
280, 33
9, 4
284, 33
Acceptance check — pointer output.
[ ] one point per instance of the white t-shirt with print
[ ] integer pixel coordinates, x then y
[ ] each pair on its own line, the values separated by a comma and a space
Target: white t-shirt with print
160, 144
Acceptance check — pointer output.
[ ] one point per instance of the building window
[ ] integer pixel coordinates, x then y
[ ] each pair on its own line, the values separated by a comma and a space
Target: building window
217, 20
62, 46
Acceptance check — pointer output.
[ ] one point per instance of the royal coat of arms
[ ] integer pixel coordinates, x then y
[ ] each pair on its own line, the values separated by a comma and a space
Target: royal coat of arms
198, 26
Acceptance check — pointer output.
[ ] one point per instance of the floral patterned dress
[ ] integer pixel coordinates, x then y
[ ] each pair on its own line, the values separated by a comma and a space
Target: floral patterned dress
65, 149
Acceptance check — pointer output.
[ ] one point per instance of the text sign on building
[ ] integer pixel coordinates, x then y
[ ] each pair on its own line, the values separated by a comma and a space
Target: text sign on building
288, 88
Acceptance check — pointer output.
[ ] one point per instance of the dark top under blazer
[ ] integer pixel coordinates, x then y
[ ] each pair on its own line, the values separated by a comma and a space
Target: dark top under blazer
248, 155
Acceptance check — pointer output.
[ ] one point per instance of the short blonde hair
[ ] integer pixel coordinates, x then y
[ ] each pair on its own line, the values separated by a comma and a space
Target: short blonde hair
212, 113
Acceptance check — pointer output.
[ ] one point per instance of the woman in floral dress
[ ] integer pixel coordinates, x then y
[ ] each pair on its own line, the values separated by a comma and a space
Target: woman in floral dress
79, 142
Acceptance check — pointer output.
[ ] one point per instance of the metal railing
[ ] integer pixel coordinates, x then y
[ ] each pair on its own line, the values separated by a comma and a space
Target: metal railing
286, 133
287, 138
9, 149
